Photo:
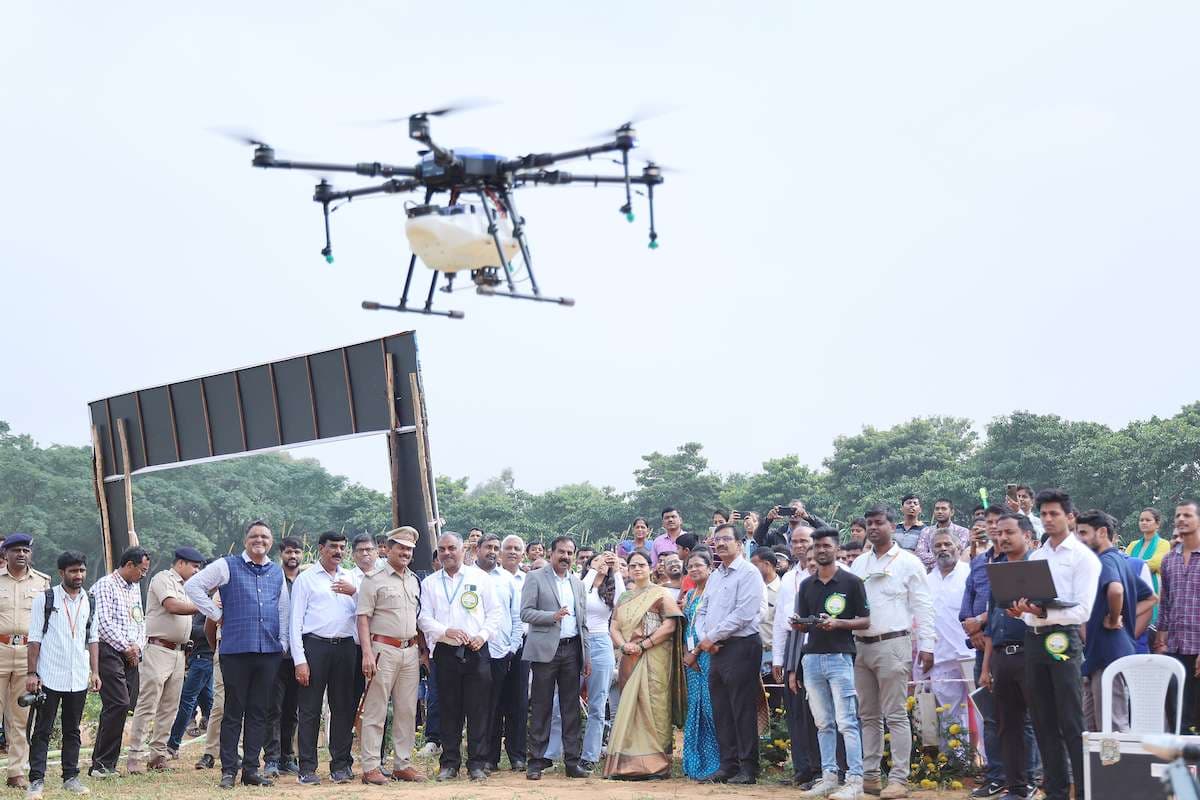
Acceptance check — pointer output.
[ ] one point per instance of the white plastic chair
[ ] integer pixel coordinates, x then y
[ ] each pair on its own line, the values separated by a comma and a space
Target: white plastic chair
1147, 678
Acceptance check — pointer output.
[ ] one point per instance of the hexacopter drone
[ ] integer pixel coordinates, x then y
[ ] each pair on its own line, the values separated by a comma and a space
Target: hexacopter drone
481, 237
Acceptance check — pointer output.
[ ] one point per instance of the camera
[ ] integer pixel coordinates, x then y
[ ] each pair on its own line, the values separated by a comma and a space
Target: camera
32, 699
796, 619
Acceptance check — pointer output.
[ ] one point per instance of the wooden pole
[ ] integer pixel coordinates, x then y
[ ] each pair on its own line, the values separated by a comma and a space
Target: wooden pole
393, 445
419, 423
98, 477
121, 434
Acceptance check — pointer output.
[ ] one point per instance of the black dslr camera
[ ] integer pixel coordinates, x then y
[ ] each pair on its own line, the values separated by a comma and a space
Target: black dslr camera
32, 699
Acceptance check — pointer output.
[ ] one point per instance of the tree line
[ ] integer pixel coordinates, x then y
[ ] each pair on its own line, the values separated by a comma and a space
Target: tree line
47, 490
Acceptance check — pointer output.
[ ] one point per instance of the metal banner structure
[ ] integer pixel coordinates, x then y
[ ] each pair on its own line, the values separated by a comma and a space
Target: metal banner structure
364, 389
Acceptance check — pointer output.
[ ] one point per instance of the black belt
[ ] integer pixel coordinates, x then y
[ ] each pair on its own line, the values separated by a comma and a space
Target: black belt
883, 637
1045, 629
1009, 649
326, 640
565, 639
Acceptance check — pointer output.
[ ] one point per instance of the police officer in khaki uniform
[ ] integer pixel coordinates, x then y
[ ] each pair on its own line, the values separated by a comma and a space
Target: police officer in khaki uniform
168, 631
387, 630
19, 582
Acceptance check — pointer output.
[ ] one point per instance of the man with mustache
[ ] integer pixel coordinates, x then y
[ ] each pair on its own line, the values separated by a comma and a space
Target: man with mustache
282, 714
728, 621
513, 712
953, 660
502, 648
19, 583
459, 615
554, 604
786, 669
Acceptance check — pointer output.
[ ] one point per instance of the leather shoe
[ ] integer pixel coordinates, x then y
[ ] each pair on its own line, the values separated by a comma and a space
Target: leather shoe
375, 778
227, 780
520, 765
18, 782
577, 772
408, 774
477, 774
158, 763
720, 776
341, 776
206, 762
254, 779
533, 774
743, 779
448, 774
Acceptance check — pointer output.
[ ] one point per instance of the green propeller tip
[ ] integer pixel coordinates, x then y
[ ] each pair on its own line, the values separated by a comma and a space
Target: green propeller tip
654, 245
629, 216
329, 259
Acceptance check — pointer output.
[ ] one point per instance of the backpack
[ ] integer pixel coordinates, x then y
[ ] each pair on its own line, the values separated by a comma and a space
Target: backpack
50, 610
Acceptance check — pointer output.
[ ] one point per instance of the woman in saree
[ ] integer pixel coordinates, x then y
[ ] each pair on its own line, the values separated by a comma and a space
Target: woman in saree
644, 629
701, 757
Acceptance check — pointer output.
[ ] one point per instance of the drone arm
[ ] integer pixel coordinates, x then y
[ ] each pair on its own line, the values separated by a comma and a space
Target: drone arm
389, 187
535, 160
558, 177
265, 159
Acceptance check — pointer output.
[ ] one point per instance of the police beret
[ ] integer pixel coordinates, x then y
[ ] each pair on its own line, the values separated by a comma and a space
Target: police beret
188, 554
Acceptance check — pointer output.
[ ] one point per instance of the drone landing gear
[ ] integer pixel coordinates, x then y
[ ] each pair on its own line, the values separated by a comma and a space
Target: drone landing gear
487, 287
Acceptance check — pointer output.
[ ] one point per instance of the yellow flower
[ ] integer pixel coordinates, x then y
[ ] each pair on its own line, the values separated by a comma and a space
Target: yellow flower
942, 758
778, 743
909, 702
942, 709
956, 785
887, 737
955, 729
955, 743
928, 784
927, 760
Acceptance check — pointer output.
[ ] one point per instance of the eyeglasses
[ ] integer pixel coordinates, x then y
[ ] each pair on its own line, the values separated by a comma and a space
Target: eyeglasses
724, 538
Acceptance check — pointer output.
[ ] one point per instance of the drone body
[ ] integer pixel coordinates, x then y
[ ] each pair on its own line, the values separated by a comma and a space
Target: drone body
478, 230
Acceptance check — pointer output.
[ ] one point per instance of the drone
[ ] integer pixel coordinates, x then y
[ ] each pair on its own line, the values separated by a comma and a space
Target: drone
478, 230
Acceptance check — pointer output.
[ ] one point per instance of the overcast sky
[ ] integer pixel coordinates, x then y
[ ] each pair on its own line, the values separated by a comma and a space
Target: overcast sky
887, 210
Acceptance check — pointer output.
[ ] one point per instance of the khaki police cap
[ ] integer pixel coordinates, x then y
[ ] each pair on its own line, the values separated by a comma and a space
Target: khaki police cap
404, 534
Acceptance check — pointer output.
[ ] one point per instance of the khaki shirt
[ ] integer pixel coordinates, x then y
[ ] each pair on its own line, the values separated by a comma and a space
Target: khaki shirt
16, 597
161, 623
390, 600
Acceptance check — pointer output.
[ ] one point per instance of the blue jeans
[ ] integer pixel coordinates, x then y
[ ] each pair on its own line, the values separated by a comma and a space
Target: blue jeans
433, 720
600, 653
829, 683
197, 683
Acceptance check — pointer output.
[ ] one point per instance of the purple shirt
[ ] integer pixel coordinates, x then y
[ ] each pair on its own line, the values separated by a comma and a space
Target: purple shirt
975, 597
663, 543
1179, 605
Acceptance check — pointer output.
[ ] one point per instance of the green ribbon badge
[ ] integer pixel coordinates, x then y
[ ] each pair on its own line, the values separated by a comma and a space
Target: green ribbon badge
1056, 645
835, 604
470, 598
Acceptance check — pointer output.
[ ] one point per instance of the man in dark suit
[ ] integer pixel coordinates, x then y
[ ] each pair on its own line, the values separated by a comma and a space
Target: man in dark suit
554, 604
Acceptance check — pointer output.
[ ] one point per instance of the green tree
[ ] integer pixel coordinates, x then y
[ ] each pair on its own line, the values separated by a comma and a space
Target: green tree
682, 480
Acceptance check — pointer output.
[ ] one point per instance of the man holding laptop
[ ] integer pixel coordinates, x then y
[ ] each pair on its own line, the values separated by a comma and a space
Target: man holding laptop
1053, 653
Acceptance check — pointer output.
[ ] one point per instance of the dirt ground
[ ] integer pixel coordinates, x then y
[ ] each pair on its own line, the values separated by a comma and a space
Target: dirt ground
187, 783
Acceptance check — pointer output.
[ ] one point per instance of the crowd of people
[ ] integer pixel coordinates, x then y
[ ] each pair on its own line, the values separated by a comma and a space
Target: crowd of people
513, 644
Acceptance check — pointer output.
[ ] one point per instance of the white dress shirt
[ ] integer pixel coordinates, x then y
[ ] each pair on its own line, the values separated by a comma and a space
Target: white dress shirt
1076, 572
599, 615
442, 607
566, 599
508, 637
767, 613
785, 606
897, 594
64, 663
317, 609
947, 594
518, 578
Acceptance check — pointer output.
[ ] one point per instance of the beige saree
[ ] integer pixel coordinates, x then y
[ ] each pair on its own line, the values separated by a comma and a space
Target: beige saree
652, 688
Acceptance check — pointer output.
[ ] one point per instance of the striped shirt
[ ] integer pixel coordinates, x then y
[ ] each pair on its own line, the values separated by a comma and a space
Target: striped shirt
64, 664
119, 614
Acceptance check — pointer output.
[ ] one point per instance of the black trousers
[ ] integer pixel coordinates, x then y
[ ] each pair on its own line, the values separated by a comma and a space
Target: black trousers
72, 711
282, 714
734, 685
562, 673
512, 715
331, 667
1055, 689
500, 667
248, 679
1191, 695
464, 680
1011, 697
118, 696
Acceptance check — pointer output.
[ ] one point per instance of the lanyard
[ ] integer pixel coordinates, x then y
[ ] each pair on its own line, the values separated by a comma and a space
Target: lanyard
67, 610
457, 585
